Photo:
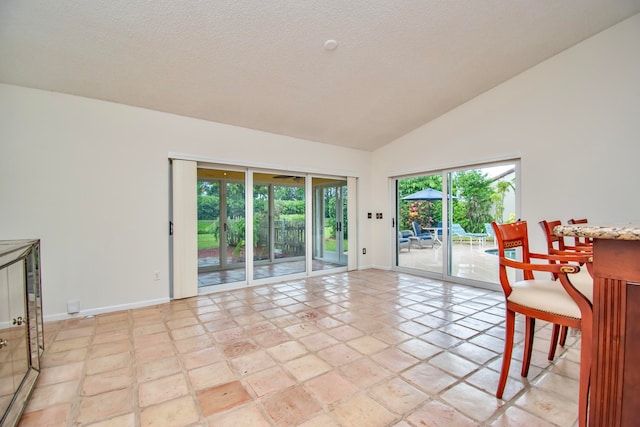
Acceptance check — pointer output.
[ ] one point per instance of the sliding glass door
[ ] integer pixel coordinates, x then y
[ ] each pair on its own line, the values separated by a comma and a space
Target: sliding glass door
330, 224
221, 226
419, 220
443, 221
279, 222
235, 227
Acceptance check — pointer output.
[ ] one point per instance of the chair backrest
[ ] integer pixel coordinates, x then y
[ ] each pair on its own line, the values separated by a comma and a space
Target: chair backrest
580, 240
553, 241
489, 229
512, 236
416, 228
457, 230
578, 221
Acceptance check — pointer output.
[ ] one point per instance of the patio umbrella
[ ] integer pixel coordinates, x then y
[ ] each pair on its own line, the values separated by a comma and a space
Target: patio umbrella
426, 194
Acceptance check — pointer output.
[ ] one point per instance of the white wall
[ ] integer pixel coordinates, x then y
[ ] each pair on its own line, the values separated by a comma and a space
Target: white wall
90, 179
573, 119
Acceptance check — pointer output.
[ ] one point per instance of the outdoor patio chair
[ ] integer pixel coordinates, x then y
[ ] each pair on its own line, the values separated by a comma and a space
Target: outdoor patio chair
557, 302
424, 238
490, 233
457, 230
404, 241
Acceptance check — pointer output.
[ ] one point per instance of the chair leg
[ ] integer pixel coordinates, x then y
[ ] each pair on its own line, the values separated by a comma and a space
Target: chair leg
563, 335
528, 344
554, 341
508, 349
585, 369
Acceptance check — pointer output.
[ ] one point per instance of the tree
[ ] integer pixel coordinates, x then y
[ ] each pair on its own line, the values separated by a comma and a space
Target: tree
502, 188
473, 189
424, 212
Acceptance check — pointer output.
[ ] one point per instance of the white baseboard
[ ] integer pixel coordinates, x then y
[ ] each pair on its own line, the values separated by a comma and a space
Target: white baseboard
102, 310
377, 267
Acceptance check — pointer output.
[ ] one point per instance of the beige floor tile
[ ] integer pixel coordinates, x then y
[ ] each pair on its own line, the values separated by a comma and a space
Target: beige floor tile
291, 407
211, 375
64, 358
126, 420
107, 349
107, 381
428, 378
338, 355
322, 420
367, 345
475, 404
53, 394
395, 360
252, 363
222, 398
269, 381
363, 411
365, 373
549, 406
163, 389
155, 352
345, 333
157, 368
174, 413
105, 405
201, 358
318, 341
188, 332
70, 333
69, 344
238, 348
287, 351
398, 395
51, 416
111, 336
363, 348
419, 349
515, 416
306, 367
249, 416
453, 364
59, 374
438, 414
108, 363
331, 388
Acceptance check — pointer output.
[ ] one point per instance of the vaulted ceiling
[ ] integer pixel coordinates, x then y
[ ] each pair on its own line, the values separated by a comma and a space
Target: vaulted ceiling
394, 66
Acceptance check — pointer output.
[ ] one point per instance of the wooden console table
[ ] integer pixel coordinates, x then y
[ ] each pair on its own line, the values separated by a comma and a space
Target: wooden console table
615, 374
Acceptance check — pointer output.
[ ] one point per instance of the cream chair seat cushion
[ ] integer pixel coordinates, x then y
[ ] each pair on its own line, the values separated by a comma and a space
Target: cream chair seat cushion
544, 295
583, 282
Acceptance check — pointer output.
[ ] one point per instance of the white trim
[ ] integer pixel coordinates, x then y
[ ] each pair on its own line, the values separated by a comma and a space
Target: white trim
102, 310
185, 229
230, 163
352, 218
454, 166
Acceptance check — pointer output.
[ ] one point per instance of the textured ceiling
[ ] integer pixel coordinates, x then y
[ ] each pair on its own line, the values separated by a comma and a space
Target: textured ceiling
262, 65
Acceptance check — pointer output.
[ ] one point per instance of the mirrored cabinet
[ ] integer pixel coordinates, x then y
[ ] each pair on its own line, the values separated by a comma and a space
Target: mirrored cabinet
21, 328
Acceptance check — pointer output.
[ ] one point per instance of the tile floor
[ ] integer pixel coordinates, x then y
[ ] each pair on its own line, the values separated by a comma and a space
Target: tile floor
365, 348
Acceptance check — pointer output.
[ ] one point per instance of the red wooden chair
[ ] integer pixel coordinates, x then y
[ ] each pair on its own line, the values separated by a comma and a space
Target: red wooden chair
558, 302
583, 281
580, 240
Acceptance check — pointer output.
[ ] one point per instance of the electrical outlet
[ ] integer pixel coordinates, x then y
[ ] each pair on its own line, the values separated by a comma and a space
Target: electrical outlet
156, 275
364, 251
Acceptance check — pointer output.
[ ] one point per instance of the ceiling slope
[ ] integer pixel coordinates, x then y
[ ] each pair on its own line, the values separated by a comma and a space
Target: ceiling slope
263, 65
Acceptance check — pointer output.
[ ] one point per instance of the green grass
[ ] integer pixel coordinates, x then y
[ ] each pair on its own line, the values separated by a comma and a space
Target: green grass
206, 241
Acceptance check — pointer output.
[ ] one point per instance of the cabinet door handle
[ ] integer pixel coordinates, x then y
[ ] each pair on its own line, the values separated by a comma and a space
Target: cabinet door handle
3, 342
19, 321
